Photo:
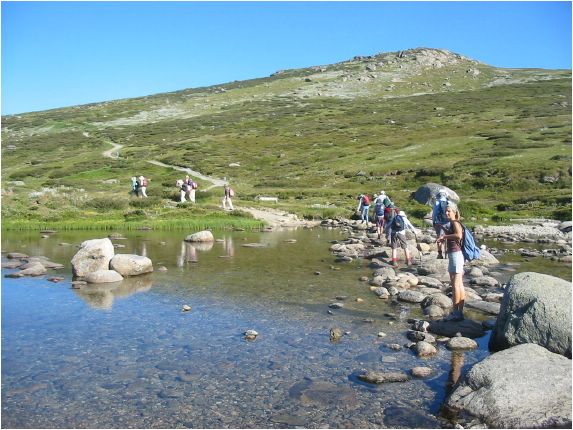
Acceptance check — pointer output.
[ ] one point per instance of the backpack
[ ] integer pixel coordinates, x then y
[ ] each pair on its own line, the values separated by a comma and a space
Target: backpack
388, 203
365, 201
231, 192
194, 185
441, 216
144, 182
468, 245
398, 223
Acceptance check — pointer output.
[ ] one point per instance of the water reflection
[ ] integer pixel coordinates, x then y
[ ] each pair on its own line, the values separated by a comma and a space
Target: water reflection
188, 253
457, 362
101, 296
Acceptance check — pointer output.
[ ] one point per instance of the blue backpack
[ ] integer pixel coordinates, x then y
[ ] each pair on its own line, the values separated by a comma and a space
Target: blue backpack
442, 218
398, 224
469, 247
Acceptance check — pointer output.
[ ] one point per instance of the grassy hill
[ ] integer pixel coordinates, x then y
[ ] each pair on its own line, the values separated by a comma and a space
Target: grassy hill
315, 137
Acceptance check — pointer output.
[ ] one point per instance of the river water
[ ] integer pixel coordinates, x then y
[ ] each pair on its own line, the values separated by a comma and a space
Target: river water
126, 355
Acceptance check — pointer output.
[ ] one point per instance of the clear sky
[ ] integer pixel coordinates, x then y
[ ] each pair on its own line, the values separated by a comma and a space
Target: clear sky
57, 54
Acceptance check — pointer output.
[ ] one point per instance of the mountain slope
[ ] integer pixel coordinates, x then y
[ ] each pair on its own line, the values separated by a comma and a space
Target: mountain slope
316, 137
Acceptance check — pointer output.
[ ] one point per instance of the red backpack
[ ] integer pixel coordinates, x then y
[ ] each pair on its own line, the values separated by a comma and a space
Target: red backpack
365, 201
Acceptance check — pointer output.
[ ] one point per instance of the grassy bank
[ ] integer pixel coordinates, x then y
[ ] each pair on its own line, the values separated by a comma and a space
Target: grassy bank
315, 138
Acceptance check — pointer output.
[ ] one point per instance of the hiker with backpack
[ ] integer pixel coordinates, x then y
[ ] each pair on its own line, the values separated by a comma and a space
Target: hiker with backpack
439, 218
134, 186
182, 187
363, 207
397, 232
142, 186
390, 211
453, 238
379, 214
191, 188
229, 193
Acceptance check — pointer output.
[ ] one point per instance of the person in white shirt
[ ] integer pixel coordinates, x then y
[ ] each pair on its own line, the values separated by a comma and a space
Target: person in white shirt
397, 232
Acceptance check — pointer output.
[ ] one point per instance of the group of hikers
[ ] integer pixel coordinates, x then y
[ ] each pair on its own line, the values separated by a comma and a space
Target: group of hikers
187, 188
449, 231
139, 186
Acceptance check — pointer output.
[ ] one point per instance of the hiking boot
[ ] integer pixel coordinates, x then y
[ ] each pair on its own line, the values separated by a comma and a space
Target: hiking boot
440, 256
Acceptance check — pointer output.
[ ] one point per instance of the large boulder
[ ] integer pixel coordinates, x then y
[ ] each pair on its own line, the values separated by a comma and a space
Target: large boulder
526, 386
536, 308
130, 264
426, 194
201, 236
92, 256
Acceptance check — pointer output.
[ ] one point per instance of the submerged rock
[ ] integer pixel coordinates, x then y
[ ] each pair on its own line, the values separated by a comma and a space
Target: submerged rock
373, 377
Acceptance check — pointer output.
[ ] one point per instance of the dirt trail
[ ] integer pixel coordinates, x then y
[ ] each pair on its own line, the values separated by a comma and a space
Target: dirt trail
273, 217
113, 152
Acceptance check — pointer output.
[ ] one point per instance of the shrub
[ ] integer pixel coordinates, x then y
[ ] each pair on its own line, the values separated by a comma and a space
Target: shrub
136, 215
106, 203
145, 203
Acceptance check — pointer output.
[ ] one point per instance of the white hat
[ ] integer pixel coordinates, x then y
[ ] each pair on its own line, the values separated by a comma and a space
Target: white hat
382, 193
141, 177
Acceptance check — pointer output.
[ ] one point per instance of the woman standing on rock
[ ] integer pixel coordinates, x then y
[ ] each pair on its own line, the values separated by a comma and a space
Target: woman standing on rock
453, 237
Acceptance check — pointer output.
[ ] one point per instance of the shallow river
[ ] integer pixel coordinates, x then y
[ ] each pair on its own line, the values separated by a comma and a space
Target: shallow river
126, 356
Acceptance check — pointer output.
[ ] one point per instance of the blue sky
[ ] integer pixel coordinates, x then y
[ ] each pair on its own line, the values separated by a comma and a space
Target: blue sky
57, 54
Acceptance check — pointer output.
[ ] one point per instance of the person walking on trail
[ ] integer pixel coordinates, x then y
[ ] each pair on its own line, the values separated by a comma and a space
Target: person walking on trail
379, 214
453, 236
363, 207
229, 194
134, 186
191, 188
143, 186
439, 218
397, 231
182, 187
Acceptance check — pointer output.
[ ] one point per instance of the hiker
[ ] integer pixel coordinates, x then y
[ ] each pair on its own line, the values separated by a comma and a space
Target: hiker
453, 235
229, 193
379, 214
191, 188
363, 207
389, 211
439, 218
134, 186
182, 187
397, 231
142, 186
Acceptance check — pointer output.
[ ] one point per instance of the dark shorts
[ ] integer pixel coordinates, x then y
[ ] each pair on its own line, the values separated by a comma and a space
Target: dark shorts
398, 240
380, 220
439, 230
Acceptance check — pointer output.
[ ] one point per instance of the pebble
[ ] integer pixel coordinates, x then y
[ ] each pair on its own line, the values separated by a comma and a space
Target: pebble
186, 308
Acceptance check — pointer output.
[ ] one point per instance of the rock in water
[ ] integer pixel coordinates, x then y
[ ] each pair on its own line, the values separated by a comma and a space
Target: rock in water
131, 264
93, 255
526, 386
536, 309
383, 377
202, 236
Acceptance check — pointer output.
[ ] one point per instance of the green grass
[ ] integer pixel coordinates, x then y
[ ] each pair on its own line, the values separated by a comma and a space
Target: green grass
491, 144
